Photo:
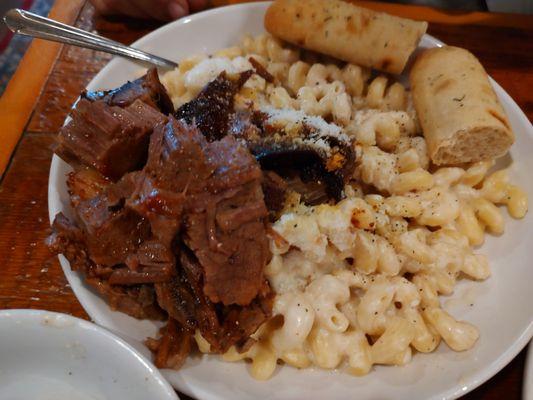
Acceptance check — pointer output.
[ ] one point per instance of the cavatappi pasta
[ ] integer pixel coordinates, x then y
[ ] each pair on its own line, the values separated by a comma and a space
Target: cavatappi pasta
358, 283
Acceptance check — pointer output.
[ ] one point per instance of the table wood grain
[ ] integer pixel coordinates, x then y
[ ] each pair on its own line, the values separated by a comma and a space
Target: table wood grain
32, 278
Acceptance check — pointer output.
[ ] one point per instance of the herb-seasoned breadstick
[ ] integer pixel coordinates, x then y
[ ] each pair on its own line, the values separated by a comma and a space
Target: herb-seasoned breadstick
346, 31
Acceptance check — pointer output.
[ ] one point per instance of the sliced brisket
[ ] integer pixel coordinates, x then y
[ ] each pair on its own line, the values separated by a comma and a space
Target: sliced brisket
110, 139
170, 215
215, 189
112, 232
138, 301
222, 326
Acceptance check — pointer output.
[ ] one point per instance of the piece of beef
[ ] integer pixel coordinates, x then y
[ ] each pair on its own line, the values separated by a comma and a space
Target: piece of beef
138, 301
241, 322
147, 89
173, 346
68, 239
215, 190
233, 257
84, 184
184, 300
208, 194
260, 70
186, 234
112, 232
152, 262
177, 160
117, 238
322, 157
175, 168
222, 326
211, 109
109, 241
110, 139
274, 190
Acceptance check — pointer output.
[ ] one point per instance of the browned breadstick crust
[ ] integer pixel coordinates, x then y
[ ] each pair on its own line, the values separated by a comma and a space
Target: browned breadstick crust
346, 31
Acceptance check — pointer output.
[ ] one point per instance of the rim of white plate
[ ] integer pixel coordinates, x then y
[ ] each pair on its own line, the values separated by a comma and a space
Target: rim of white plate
457, 389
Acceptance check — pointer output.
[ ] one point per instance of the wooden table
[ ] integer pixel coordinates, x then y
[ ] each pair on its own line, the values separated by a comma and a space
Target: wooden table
50, 78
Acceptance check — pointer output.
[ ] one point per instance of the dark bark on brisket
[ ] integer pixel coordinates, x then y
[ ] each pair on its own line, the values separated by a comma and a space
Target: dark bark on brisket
211, 109
147, 89
286, 153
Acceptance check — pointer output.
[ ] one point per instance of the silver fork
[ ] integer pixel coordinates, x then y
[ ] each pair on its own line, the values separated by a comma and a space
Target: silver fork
30, 24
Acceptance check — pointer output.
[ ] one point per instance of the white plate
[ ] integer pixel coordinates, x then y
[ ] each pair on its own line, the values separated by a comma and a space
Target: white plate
527, 390
51, 356
502, 305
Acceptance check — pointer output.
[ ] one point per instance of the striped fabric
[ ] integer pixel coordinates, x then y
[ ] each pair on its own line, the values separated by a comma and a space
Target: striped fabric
5, 34
12, 48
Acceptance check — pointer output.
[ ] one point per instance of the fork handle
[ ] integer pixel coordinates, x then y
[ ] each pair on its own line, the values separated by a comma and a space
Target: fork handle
30, 24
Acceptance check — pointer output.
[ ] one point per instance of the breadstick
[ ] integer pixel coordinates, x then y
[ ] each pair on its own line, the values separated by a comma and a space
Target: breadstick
346, 31
459, 112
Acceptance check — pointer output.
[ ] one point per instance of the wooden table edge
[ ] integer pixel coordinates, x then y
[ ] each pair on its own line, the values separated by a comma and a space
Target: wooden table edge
24, 88
439, 16
434, 15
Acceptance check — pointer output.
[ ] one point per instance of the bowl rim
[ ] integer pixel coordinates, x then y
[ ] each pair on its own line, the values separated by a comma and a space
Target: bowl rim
37, 317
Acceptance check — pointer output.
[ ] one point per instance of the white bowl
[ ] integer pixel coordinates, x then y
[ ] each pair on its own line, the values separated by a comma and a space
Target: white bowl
502, 306
51, 356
